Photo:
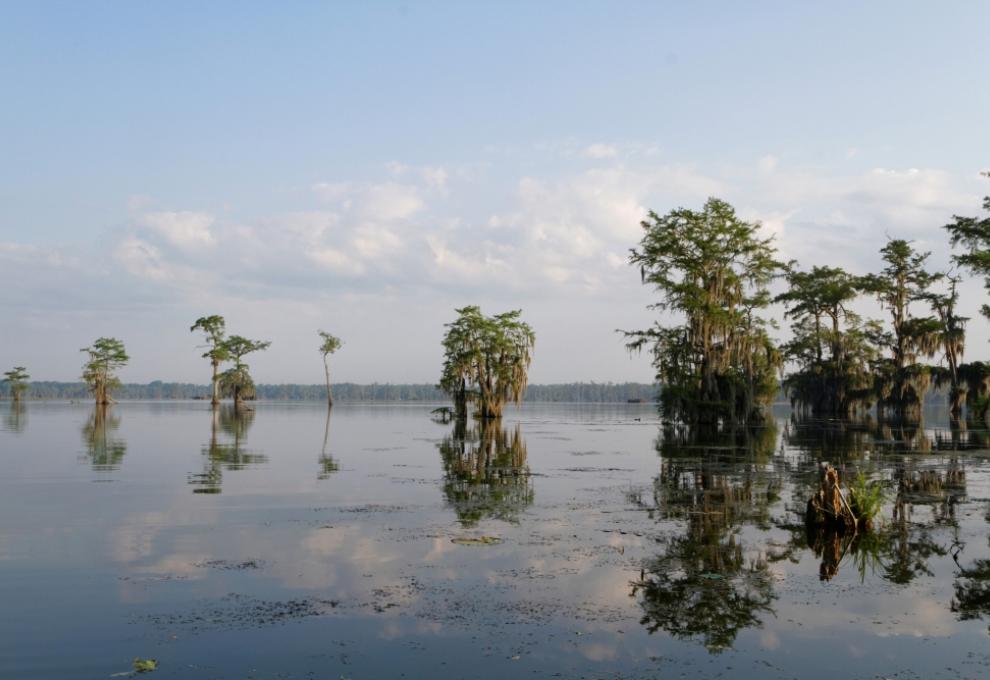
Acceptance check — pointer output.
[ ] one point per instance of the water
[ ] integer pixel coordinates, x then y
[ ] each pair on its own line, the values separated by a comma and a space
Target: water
573, 541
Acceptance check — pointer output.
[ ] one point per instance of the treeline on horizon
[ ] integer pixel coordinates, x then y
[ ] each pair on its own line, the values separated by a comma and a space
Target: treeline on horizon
591, 392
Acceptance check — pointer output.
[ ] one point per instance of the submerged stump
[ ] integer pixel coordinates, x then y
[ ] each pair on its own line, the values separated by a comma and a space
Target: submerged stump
828, 508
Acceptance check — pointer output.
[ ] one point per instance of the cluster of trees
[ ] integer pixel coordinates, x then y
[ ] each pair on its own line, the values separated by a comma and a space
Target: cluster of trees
236, 381
106, 356
718, 364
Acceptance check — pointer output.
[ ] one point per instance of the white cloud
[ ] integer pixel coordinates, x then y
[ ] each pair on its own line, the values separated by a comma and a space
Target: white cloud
183, 229
141, 259
600, 151
377, 202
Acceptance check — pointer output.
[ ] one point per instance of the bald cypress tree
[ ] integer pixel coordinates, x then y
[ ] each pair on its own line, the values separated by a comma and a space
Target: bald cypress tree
486, 359
832, 347
716, 362
901, 380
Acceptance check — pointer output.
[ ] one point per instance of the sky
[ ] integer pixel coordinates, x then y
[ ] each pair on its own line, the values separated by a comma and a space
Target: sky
368, 167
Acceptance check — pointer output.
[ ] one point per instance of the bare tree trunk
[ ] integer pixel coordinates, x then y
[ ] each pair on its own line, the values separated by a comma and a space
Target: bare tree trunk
215, 399
326, 435
326, 369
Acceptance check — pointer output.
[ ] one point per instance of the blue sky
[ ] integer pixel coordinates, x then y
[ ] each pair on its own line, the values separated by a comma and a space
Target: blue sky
367, 167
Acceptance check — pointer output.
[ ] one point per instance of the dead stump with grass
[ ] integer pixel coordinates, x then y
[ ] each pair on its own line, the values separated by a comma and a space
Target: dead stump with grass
829, 508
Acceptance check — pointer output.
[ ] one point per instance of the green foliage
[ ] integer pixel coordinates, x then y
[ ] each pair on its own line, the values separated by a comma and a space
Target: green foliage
16, 381
973, 233
486, 358
330, 344
106, 356
712, 268
901, 382
866, 498
950, 335
832, 346
145, 665
236, 381
214, 327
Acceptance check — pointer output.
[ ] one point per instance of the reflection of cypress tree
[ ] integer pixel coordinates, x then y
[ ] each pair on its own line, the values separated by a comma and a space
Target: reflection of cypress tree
834, 439
971, 591
15, 420
963, 434
831, 440
485, 472
900, 551
104, 451
328, 465
220, 456
702, 584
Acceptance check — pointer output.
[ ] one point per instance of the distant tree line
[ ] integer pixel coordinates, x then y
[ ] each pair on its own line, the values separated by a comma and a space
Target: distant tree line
343, 392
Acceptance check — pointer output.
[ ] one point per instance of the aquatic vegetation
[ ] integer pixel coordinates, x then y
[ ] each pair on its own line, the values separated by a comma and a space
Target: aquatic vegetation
476, 540
145, 665
828, 506
866, 498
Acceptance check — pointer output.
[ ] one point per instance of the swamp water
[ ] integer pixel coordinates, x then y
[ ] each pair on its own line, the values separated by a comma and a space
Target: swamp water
571, 541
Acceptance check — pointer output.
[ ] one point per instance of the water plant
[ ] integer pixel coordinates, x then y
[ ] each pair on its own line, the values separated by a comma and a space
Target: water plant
866, 497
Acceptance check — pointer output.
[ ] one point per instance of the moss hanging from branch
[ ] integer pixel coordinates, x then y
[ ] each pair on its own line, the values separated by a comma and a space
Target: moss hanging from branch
718, 365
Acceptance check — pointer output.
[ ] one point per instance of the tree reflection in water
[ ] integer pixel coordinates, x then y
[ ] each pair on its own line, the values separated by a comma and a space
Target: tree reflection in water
15, 419
485, 472
705, 583
328, 465
225, 455
899, 549
104, 451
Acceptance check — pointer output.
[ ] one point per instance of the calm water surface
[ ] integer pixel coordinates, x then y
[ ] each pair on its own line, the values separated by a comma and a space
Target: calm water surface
570, 541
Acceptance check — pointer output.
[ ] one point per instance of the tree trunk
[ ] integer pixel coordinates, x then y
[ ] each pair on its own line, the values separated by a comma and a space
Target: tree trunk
460, 401
326, 369
215, 399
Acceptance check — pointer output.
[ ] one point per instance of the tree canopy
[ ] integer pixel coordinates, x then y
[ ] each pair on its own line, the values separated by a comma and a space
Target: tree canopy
106, 356
16, 380
901, 381
236, 381
973, 233
486, 359
831, 346
214, 328
712, 269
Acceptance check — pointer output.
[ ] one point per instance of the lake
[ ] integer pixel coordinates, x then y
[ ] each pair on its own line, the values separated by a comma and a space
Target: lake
570, 541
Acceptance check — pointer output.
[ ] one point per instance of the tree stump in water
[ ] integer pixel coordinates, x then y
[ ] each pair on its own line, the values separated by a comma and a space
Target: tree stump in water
828, 507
